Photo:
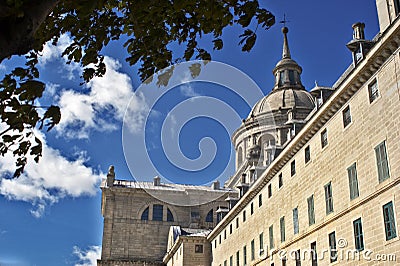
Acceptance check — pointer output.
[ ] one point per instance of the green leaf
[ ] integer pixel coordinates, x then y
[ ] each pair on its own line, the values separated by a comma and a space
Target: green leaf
218, 44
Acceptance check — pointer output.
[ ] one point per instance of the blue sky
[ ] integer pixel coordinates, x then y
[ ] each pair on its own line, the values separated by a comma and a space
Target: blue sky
51, 215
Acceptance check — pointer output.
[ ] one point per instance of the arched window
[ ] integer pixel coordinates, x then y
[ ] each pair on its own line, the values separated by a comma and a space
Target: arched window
145, 214
157, 212
170, 217
210, 216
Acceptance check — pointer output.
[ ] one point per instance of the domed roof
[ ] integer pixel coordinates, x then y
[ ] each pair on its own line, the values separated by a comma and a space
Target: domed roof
283, 99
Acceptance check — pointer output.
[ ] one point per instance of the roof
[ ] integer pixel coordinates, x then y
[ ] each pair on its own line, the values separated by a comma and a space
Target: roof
283, 99
164, 186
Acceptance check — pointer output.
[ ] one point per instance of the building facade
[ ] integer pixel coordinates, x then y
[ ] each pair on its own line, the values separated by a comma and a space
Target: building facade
317, 179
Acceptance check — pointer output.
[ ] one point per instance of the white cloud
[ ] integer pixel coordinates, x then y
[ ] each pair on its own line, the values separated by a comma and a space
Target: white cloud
53, 52
87, 257
53, 178
188, 91
105, 103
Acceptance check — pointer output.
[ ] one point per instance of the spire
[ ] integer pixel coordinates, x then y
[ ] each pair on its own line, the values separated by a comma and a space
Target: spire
286, 51
287, 71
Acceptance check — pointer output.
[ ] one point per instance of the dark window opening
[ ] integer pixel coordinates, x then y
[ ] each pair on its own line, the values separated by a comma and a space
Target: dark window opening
210, 216
145, 214
346, 116
157, 212
198, 248
170, 217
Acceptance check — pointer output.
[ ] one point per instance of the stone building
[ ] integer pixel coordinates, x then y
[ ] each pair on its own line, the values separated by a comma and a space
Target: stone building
317, 176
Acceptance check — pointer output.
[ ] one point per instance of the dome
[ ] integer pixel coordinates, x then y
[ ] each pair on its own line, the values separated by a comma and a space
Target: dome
283, 99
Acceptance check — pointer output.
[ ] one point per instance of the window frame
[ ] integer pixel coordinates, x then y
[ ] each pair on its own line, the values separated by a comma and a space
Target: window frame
280, 180
389, 221
353, 181
282, 229
311, 211
358, 235
332, 247
307, 154
382, 163
296, 228
328, 198
271, 236
373, 91
293, 168
324, 138
252, 250
198, 248
346, 115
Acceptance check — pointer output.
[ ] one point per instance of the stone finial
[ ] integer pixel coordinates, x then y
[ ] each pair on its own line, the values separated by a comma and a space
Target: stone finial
110, 176
286, 51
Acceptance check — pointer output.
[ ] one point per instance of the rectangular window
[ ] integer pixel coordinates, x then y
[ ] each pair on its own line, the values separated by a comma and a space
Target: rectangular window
271, 237
373, 91
353, 181
328, 198
388, 218
260, 200
244, 255
280, 180
346, 116
198, 249
231, 261
269, 190
358, 235
158, 212
251, 208
244, 216
220, 239
332, 246
382, 162
307, 154
298, 258
282, 225
230, 229
225, 234
237, 222
252, 247
293, 168
215, 243
311, 213
296, 220
324, 138
237, 258
261, 238
314, 257
283, 261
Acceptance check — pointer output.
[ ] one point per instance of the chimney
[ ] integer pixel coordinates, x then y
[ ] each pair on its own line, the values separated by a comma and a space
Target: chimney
215, 185
358, 31
156, 181
359, 46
